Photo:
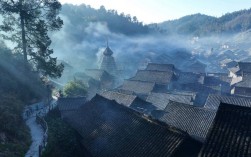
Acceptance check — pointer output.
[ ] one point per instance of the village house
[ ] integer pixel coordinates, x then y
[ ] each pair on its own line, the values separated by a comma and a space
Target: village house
228, 63
229, 136
240, 69
161, 100
218, 82
67, 106
195, 66
129, 100
213, 101
225, 54
162, 79
114, 130
196, 121
161, 111
187, 78
140, 88
243, 88
241, 79
161, 67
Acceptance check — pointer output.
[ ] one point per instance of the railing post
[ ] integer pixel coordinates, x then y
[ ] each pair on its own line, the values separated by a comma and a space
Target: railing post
39, 150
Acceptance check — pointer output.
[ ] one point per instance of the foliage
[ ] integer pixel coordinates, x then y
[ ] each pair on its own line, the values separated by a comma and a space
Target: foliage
17, 80
81, 16
199, 24
18, 86
75, 89
26, 23
12, 126
63, 141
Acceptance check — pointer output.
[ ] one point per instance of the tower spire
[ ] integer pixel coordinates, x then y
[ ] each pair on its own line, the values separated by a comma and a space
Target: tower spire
107, 44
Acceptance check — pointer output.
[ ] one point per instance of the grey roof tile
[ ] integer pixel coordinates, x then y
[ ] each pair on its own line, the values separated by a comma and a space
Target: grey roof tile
230, 133
194, 120
120, 98
160, 67
67, 104
138, 87
158, 77
213, 101
111, 129
160, 100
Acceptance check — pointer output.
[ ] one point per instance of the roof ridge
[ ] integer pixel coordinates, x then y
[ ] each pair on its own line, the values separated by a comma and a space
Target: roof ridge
139, 81
64, 98
141, 115
189, 106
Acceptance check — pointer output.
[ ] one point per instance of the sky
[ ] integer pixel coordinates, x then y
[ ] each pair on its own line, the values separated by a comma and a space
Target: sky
154, 11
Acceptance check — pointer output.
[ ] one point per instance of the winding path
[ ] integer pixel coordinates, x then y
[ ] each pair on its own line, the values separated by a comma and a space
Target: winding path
37, 132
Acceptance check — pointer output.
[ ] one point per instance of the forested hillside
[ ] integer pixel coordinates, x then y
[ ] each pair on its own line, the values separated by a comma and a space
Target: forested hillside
81, 16
199, 24
18, 87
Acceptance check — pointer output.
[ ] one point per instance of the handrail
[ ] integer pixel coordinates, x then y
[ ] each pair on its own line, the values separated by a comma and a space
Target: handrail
40, 120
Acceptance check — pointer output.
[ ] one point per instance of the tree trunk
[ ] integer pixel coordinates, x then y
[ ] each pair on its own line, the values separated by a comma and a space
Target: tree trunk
23, 39
23, 33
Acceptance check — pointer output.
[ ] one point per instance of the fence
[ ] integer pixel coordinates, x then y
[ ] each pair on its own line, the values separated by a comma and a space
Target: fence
40, 120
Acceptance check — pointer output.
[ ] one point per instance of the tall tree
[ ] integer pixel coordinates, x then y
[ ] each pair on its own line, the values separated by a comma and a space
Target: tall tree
26, 23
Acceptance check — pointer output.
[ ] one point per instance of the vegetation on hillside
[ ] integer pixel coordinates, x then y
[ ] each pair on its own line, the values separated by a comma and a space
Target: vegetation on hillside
199, 24
63, 141
18, 87
25, 23
81, 16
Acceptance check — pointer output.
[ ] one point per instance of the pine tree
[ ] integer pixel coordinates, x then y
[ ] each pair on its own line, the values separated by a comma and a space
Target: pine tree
26, 23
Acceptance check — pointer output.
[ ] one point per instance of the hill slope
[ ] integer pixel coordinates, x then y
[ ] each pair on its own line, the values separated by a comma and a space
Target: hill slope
17, 88
199, 24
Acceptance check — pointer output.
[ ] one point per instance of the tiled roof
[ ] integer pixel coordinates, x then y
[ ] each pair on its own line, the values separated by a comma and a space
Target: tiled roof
217, 74
110, 129
230, 134
226, 61
160, 100
67, 104
225, 79
181, 92
213, 80
194, 65
160, 67
213, 101
142, 106
245, 66
158, 77
234, 69
197, 63
188, 77
138, 87
120, 98
196, 87
194, 120
245, 82
165, 58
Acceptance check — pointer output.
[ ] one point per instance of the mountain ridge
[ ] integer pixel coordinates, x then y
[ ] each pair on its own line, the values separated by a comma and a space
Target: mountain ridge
200, 24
